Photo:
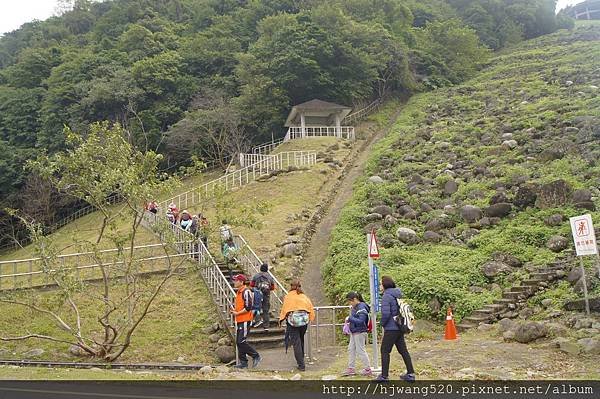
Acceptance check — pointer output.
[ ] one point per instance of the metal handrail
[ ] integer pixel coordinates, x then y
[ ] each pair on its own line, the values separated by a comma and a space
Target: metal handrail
297, 132
316, 336
242, 176
266, 148
355, 116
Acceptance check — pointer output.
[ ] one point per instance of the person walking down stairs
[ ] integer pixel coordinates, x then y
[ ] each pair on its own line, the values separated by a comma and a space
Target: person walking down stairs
297, 311
243, 322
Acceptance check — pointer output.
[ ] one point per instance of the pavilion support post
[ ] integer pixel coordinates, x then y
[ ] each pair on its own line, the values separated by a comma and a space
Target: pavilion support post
338, 127
302, 126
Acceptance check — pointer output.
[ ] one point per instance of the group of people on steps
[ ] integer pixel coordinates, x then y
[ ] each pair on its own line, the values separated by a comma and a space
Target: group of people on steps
297, 312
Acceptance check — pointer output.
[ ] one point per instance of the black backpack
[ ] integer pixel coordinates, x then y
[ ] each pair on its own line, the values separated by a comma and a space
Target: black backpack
263, 283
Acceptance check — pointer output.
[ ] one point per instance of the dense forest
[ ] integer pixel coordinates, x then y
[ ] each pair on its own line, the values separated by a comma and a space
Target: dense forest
180, 75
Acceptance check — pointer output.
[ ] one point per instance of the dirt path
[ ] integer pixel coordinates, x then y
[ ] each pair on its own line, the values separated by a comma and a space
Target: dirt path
312, 279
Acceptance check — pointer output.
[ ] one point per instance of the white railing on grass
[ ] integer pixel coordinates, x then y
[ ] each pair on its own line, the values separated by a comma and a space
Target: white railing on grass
296, 132
242, 177
223, 294
363, 112
34, 273
267, 148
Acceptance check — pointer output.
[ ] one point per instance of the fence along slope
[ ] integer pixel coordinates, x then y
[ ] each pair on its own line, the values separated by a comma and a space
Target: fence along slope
239, 178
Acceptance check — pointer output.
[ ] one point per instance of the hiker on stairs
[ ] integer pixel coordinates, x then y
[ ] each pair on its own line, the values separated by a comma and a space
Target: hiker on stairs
243, 322
265, 283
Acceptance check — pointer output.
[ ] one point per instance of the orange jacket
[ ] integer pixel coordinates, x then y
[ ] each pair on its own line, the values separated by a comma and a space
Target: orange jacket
294, 301
243, 300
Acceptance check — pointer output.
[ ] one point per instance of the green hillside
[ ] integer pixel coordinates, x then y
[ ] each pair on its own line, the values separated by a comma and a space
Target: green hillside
542, 94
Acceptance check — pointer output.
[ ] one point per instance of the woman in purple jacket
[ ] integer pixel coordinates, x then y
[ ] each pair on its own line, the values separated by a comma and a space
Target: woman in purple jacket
391, 332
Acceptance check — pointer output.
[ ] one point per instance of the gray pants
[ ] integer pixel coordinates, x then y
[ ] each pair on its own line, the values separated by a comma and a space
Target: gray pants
357, 347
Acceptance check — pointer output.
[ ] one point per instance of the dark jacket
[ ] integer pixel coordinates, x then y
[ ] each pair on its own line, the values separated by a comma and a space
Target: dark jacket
389, 308
359, 316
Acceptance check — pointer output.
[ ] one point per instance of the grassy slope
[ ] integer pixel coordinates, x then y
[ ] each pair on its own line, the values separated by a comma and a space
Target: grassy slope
184, 308
523, 88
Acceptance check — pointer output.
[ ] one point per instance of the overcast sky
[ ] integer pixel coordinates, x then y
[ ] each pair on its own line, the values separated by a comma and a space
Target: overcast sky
14, 13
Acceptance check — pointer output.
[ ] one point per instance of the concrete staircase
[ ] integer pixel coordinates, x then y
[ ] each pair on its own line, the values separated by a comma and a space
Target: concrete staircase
507, 306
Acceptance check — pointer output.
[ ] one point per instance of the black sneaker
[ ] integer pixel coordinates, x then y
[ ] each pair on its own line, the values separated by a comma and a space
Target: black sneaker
407, 377
258, 323
301, 368
256, 361
381, 379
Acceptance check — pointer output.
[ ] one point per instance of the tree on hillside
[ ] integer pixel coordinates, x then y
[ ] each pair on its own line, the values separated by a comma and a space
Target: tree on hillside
98, 165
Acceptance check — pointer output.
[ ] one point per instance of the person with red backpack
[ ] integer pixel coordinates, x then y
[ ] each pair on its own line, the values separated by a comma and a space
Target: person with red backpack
358, 322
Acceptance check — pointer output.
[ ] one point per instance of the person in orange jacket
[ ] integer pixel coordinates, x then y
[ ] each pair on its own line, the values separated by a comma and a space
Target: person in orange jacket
243, 322
297, 311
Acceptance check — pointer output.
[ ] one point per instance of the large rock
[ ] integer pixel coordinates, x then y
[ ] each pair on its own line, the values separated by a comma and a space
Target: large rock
450, 187
407, 236
590, 346
290, 250
509, 259
439, 223
214, 338
554, 220
588, 205
432, 236
569, 347
225, 341
557, 243
225, 353
526, 196
493, 268
376, 179
554, 195
582, 195
33, 353
372, 217
510, 144
499, 210
530, 331
383, 210
498, 198
470, 213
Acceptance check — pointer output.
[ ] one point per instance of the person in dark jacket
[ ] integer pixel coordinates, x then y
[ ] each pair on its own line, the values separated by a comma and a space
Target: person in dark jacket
391, 332
358, 322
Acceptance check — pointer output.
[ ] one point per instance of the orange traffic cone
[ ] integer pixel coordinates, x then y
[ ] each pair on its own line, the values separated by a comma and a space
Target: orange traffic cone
450, 326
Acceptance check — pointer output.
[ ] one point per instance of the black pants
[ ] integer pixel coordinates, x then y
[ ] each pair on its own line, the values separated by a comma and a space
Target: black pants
244, 348
391, 338
297, 342
266, 306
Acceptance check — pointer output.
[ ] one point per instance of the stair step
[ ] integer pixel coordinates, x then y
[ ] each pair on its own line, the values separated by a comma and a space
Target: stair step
512, 294
524, 288
465, 326
534, 282
503, 301
259, 331
273, 341
476, 319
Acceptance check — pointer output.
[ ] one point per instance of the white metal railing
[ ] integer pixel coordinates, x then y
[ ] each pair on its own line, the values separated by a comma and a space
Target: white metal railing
250, 159
242, 177
296, 132
223, 294
363, 112
267, 148
251, 263
326, 327
33, 273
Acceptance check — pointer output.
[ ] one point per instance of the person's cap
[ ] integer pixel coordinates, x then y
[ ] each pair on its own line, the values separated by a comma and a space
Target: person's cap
239, 277
185, 212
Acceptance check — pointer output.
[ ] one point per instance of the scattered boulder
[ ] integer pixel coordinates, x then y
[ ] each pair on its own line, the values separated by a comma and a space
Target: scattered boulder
450, 187
557, 243
554, 220
590, 345
546, 303
556, 330
485, 327
425, 207
508, 335
574, 275
434, 305
525, 196
583, 323
470, 213
510, 144
214, 338
407, 236
432, 236
206, 370
588, 205
530, 331
469, 233
77, 351
290, 250
582, 195
509, 259
498, 198
554, 195
376, 179
439, 223
383, 210
507, 136
499, 210
493, 268
292, 231
225, 341
390, 220
372, 217
225, 353
487, 221
572, 348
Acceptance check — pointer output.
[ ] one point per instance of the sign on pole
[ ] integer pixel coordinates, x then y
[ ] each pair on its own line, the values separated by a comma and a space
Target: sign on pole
583, 235
373, 247
584, 238
374, 288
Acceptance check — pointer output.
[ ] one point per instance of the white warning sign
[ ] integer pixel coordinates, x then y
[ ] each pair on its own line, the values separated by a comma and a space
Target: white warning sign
583, 235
